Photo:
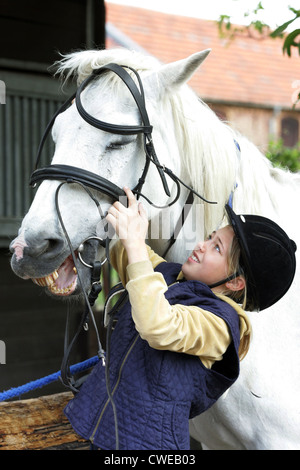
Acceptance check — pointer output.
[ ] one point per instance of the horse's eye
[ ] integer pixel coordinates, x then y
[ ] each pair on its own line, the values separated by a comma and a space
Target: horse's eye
121, 144
116, 146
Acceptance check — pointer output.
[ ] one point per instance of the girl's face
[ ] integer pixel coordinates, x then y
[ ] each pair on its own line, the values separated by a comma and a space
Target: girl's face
209, 261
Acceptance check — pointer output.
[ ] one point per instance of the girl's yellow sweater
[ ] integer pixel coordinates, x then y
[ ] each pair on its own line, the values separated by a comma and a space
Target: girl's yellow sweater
190, 330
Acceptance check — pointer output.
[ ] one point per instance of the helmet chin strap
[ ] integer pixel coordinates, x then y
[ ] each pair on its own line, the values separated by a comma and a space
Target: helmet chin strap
229, 278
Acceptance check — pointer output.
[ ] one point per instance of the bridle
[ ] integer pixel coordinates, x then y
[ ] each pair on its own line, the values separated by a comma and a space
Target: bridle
91, 181
87, 179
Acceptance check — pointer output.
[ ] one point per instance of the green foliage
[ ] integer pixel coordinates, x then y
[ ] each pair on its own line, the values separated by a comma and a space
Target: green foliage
290, 39
225, 28
284, 157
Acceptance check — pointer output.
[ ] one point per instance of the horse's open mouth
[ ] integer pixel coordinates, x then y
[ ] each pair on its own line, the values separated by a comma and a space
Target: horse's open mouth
62, 281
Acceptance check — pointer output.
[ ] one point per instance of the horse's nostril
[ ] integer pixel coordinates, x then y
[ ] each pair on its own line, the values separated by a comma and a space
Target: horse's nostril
54, 244
36, 249
49, 248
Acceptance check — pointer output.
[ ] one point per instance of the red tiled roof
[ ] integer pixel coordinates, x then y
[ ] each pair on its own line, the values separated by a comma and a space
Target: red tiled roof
246, 70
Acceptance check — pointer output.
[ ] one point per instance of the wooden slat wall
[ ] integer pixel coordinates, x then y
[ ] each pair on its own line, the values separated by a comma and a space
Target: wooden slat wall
31, 323
32, 327
22, 122
31, 101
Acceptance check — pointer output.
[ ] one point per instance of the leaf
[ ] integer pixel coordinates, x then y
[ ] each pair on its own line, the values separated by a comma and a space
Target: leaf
259, 25
297, 12
281, 28
297, 101
290, 41
259, 7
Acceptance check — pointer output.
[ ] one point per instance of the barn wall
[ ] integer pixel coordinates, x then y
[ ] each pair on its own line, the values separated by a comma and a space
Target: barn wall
32, 327
32, 34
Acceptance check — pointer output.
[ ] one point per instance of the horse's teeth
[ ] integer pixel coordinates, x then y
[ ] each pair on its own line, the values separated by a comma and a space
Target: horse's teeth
47, 280
64, 290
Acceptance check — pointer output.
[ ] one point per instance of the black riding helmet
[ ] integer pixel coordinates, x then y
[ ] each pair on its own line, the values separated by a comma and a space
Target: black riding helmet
267, 258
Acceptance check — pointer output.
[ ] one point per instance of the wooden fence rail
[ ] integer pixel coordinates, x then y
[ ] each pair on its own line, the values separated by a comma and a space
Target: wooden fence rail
38, 424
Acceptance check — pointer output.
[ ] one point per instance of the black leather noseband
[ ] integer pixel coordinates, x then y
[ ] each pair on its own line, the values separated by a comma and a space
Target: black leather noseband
71, 173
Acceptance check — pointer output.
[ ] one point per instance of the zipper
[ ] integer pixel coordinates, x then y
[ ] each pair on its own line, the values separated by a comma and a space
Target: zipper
114, 389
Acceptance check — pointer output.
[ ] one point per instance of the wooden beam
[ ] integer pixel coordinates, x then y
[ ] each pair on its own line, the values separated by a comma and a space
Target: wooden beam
38, 424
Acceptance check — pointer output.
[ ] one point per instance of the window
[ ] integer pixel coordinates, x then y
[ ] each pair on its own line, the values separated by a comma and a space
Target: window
289, 131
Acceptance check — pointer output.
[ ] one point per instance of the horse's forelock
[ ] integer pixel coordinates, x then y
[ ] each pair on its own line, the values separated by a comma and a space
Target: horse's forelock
81, 64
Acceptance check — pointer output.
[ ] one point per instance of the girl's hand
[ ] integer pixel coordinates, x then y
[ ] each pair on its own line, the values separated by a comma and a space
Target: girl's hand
131, 226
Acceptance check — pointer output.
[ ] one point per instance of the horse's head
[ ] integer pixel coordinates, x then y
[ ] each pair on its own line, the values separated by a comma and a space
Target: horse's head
41, 251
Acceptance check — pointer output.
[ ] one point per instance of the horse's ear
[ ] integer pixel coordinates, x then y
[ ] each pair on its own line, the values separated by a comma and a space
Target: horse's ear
177, 73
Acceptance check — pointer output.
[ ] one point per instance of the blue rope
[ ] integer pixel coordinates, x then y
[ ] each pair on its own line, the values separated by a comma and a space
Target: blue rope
39, 383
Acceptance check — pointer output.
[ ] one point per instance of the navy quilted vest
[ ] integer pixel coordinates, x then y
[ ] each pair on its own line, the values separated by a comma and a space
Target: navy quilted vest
155, 392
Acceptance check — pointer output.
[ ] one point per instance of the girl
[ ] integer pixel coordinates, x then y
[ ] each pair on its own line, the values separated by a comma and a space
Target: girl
177, 342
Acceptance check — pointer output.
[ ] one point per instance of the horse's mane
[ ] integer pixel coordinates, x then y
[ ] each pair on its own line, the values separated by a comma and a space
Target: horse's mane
81, 64
216, 167
207, 145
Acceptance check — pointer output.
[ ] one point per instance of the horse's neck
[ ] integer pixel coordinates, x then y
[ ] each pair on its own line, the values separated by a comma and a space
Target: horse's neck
271, 193
261, 188
213, 167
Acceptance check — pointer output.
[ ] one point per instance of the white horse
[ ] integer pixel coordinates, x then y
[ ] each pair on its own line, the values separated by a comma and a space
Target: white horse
262, 410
